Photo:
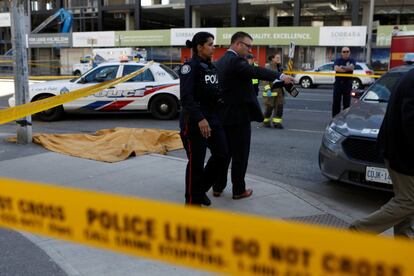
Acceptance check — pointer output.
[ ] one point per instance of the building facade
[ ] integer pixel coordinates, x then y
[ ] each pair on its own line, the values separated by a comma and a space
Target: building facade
106, 15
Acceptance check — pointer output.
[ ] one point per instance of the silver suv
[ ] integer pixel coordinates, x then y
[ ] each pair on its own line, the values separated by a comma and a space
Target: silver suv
348, 152
310, 80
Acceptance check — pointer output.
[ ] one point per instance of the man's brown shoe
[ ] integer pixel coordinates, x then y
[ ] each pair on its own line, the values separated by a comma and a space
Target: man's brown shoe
246, 193
216, 194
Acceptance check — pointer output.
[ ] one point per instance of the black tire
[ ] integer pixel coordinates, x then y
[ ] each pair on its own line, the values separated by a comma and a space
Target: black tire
164, 107
53, 114
306, 82
356, 84
77, 73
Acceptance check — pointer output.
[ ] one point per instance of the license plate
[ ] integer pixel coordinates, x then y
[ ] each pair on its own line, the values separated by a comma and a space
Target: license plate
380, 175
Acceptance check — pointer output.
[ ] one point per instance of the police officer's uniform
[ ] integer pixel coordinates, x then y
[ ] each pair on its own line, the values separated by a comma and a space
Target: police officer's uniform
342, 87
200, 99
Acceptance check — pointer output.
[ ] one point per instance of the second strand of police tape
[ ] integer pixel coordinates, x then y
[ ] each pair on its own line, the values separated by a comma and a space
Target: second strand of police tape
212, 240
331, 74
286, 72
20, 111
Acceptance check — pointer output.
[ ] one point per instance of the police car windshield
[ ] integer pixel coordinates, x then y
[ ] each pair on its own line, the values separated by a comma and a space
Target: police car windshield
381, 90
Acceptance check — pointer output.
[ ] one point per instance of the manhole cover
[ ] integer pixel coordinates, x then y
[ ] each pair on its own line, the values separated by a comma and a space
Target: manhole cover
324, 219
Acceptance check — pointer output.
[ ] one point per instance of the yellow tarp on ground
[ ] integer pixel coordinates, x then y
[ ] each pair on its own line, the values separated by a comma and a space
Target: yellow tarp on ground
111, 145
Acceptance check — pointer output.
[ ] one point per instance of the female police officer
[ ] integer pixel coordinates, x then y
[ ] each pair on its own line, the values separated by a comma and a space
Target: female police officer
199, 120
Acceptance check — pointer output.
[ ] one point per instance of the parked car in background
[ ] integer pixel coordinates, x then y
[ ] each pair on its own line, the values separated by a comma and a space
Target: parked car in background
6, 62
348, 152
311, 80
156, 90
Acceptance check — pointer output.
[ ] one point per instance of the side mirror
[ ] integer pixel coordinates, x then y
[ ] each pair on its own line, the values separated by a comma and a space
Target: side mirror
317, 70
357, 93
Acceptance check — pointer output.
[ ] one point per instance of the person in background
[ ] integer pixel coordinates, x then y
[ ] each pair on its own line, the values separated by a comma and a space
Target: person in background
199, 120
396, 142
343, 85
273, 99
240, 108
255, 82
395, 30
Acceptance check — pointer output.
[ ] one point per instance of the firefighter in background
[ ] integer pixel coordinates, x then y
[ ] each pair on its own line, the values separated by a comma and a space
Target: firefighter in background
273, 99
250, 60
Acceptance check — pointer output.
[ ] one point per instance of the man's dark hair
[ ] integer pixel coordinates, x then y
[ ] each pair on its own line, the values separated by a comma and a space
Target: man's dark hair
239, 36
271, 57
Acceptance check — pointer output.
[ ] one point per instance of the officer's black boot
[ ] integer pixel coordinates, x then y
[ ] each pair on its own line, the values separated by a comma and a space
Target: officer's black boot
206, 201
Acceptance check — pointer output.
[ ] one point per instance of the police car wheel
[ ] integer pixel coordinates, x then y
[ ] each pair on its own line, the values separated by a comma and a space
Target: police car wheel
164, 107
305, 82
49, 115
356, 84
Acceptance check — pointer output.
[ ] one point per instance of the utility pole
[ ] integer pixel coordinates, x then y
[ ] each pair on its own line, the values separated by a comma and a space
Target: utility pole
369, 30
21, 83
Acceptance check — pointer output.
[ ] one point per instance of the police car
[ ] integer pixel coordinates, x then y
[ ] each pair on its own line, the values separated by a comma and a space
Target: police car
156, 90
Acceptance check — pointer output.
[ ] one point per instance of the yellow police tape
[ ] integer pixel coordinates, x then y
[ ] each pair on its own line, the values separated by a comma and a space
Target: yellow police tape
38, 64
20, 111
212, 240
330, 74
42, 77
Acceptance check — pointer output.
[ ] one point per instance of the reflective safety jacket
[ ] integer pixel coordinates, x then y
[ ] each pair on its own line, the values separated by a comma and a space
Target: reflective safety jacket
268, 92
255, 81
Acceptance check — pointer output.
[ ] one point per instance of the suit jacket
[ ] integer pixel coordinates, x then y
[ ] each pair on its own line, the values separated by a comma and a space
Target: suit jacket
240, 103
396, 136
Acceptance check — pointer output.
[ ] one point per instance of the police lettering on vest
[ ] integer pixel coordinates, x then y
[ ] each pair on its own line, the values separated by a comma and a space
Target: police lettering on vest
208, 89
211, 79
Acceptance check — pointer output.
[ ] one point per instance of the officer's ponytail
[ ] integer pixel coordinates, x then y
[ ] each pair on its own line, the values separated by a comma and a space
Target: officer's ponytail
198, 39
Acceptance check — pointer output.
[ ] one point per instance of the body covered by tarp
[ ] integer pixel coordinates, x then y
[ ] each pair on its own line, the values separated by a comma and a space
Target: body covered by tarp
111, 145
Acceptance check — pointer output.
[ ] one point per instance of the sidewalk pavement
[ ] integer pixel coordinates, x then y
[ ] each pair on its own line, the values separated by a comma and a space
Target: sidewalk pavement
156, 177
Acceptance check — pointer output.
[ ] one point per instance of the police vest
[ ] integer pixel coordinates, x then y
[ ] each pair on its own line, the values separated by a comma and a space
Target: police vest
207, 91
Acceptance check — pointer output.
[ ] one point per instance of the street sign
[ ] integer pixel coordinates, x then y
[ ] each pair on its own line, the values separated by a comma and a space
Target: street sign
291, 50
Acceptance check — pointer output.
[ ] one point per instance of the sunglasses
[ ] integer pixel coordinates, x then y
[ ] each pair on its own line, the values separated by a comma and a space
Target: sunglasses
249, 46
345, 51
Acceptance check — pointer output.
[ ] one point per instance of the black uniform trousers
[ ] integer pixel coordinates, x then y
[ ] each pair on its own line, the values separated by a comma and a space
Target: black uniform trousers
199, 179
342, 91
238, 138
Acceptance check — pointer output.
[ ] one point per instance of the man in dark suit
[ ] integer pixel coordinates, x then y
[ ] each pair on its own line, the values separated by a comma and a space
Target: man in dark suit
240, 107
396, 140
